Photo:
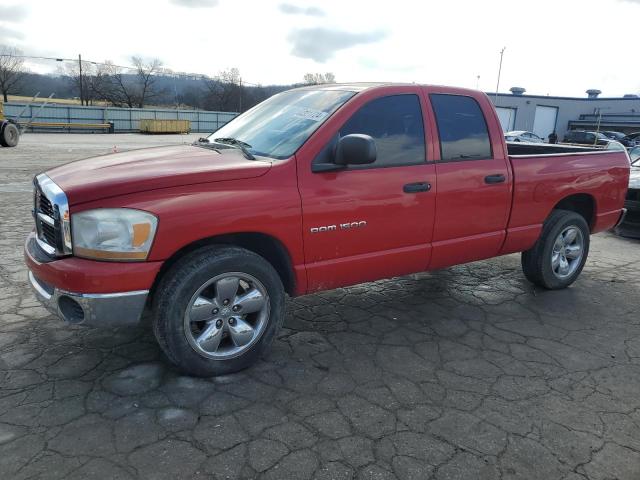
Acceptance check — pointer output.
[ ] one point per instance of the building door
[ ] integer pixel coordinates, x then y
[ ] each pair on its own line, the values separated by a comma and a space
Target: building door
507, 117
545, 121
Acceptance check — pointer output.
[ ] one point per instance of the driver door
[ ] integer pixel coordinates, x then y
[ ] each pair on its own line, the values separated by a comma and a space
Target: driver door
371, 221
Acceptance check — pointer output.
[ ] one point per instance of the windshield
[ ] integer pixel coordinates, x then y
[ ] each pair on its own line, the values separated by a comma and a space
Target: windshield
634, 155
278, 126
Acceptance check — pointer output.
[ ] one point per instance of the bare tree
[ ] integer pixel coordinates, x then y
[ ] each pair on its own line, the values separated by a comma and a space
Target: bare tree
146, 72
72, 72
224, 91
11, 70
319, 78
115, 86
120, 86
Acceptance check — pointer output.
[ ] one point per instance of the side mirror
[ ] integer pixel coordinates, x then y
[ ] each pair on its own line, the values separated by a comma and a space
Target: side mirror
355, 149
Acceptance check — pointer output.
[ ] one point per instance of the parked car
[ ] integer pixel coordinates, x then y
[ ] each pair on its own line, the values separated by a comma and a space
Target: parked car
619, 137
522, 136
633, 139
630, 227
614, 145
315, 188
583, 137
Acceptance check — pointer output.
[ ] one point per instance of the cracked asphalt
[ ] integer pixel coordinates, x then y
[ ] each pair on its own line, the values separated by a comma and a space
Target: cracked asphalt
465, 373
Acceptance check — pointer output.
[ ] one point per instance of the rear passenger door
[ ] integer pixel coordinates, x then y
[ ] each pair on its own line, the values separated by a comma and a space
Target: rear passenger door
474, 182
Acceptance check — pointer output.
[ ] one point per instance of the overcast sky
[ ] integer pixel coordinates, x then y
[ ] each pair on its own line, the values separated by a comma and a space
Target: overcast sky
555, 47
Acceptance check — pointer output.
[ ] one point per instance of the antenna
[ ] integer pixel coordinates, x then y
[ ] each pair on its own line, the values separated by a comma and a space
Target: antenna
499, 72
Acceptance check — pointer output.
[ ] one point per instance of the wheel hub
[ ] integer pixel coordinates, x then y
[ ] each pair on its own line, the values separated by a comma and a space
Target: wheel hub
227, 315
567, 252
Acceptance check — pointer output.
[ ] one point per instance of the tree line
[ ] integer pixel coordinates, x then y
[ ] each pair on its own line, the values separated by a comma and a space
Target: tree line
146, 83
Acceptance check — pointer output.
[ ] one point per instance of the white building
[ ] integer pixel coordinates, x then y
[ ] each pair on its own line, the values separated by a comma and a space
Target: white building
544, 114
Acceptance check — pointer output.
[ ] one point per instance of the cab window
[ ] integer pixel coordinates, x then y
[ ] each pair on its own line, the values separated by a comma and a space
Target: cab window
395, 123
462, 128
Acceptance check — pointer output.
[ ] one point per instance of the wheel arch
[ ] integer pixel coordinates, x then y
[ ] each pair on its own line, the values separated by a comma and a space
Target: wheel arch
583, 204
267, 246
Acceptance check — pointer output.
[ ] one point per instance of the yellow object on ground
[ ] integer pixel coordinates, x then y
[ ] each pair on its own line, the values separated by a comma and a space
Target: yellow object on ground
165, 126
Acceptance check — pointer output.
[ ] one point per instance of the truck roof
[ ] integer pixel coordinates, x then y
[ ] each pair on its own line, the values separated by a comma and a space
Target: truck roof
354, 86
362, 86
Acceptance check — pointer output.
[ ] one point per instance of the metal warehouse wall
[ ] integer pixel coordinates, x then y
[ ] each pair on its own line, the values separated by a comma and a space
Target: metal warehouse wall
569, 109
124, 119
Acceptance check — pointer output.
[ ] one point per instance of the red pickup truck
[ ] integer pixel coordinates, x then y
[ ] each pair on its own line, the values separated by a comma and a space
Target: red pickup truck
315, 188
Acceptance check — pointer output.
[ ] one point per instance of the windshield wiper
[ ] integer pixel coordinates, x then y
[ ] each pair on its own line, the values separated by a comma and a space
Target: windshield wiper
234, 142
205, 143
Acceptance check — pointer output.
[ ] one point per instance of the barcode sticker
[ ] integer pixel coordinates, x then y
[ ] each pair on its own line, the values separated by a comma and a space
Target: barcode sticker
310, 114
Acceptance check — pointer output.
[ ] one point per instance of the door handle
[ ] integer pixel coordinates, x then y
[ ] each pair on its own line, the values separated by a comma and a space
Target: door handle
416, 187
497, 178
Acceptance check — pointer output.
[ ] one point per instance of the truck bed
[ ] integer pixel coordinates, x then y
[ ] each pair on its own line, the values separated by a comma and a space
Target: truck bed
520, 148
545, 175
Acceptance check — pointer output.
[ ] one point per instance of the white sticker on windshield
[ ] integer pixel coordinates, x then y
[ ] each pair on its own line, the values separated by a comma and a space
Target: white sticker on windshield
310, 114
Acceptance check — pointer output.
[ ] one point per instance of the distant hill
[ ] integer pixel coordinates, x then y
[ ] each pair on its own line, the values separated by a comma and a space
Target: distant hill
182, 92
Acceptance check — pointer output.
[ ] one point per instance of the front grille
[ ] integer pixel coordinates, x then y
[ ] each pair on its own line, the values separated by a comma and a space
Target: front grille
47, 227
48, 233
44, 205
633, 194
51, 214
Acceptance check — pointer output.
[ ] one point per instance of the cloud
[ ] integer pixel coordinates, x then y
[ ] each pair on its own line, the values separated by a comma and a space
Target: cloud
9, 35
195, 3
320, 44
13, 13
290, 9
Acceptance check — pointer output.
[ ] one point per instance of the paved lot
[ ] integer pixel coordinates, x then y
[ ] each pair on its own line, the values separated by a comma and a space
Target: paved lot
467, 373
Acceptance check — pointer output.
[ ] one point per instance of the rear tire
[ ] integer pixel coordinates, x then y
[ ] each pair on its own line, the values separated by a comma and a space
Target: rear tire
198, 310
9, 135
559, 255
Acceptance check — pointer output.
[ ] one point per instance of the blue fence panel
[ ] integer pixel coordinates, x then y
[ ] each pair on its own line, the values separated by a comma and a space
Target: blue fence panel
124, 119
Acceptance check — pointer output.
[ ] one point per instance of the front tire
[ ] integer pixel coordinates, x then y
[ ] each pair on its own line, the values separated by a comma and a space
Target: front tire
218, 310
559, 255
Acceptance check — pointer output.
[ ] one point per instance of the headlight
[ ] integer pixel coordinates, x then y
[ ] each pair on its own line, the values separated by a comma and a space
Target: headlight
117, 234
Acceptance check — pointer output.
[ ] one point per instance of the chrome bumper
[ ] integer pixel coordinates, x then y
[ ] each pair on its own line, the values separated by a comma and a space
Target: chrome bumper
92, 309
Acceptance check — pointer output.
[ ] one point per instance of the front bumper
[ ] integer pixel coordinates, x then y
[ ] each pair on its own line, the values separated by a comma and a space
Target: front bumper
80, 291
92, 309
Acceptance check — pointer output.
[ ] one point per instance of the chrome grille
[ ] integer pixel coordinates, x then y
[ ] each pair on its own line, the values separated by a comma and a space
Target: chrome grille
48, 233
44, 205
51, 215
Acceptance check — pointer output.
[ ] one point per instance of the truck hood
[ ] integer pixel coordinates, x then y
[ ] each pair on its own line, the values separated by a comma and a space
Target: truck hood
152, 168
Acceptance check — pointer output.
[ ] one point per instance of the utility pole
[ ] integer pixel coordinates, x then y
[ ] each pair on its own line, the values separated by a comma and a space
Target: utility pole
499, 72
81, 89
240, 96
477, 82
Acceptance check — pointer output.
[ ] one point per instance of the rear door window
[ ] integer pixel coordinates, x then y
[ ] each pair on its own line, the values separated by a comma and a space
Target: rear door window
395, 123
462, 128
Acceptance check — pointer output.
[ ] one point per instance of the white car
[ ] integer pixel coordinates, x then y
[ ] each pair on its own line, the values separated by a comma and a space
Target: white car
522, 136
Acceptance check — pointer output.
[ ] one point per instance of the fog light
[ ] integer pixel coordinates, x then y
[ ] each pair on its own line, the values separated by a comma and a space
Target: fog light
70, 309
